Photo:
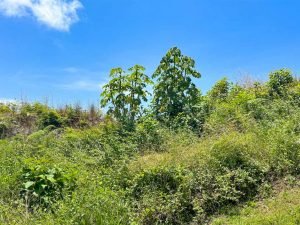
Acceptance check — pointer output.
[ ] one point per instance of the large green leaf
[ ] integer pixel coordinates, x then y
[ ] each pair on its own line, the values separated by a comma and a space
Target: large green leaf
28, 184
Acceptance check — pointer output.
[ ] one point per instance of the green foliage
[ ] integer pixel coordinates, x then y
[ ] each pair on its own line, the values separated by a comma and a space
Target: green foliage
149, 134
125, 93
286, 153
138, 83
4, 108
26, 118
294, 93
160, 197
50, 118
220, 90
42, 187
3, 130
93, 204
191, 121
72, 115
163, 180
114, 94
175, 93
209, 157
278, 82
105, 144
179, 196
282, 209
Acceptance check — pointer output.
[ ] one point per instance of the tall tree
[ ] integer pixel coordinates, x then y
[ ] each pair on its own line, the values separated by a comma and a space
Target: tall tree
114, 94
138, 93
125, 93
175, 93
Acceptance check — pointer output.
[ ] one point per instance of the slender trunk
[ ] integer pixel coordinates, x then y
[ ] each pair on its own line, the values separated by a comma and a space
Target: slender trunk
122, 110
134, 106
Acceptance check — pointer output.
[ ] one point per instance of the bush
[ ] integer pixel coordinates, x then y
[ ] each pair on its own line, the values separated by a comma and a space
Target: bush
3, 130
161, 197
294, 94
220, 90
190, 121
42, 187
49, 118
285, 154
278, 82
149, 135
163, 180
213, 191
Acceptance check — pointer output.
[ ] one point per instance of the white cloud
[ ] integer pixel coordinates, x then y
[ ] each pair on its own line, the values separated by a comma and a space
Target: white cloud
57, 14
71, 70
83, 86
7, 100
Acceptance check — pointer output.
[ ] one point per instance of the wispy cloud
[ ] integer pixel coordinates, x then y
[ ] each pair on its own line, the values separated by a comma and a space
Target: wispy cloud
71, 69
83, 85
7, 100
57, 14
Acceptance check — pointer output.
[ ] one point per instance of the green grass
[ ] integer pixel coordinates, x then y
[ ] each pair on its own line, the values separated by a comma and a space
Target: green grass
283, 209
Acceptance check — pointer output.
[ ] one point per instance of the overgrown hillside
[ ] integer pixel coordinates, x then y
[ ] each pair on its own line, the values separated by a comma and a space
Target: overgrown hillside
187, 159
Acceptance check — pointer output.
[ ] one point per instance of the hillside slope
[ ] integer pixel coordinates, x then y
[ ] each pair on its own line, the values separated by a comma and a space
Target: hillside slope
70, 166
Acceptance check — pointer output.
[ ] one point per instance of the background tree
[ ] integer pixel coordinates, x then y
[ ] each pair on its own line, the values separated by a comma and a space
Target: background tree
175, 93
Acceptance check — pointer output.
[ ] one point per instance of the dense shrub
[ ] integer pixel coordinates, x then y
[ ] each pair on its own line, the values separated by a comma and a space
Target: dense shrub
182, 196
190, 121
279, 80
161, 196
149, 134
220, 90
49, 118
214, 190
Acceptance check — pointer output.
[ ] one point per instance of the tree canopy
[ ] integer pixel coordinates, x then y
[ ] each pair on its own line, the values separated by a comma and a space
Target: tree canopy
175, 92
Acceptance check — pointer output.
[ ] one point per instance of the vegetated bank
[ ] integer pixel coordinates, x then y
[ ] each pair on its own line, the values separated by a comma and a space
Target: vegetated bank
187, 159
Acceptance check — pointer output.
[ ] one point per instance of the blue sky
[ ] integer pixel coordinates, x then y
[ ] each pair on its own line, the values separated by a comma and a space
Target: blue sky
62, 51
